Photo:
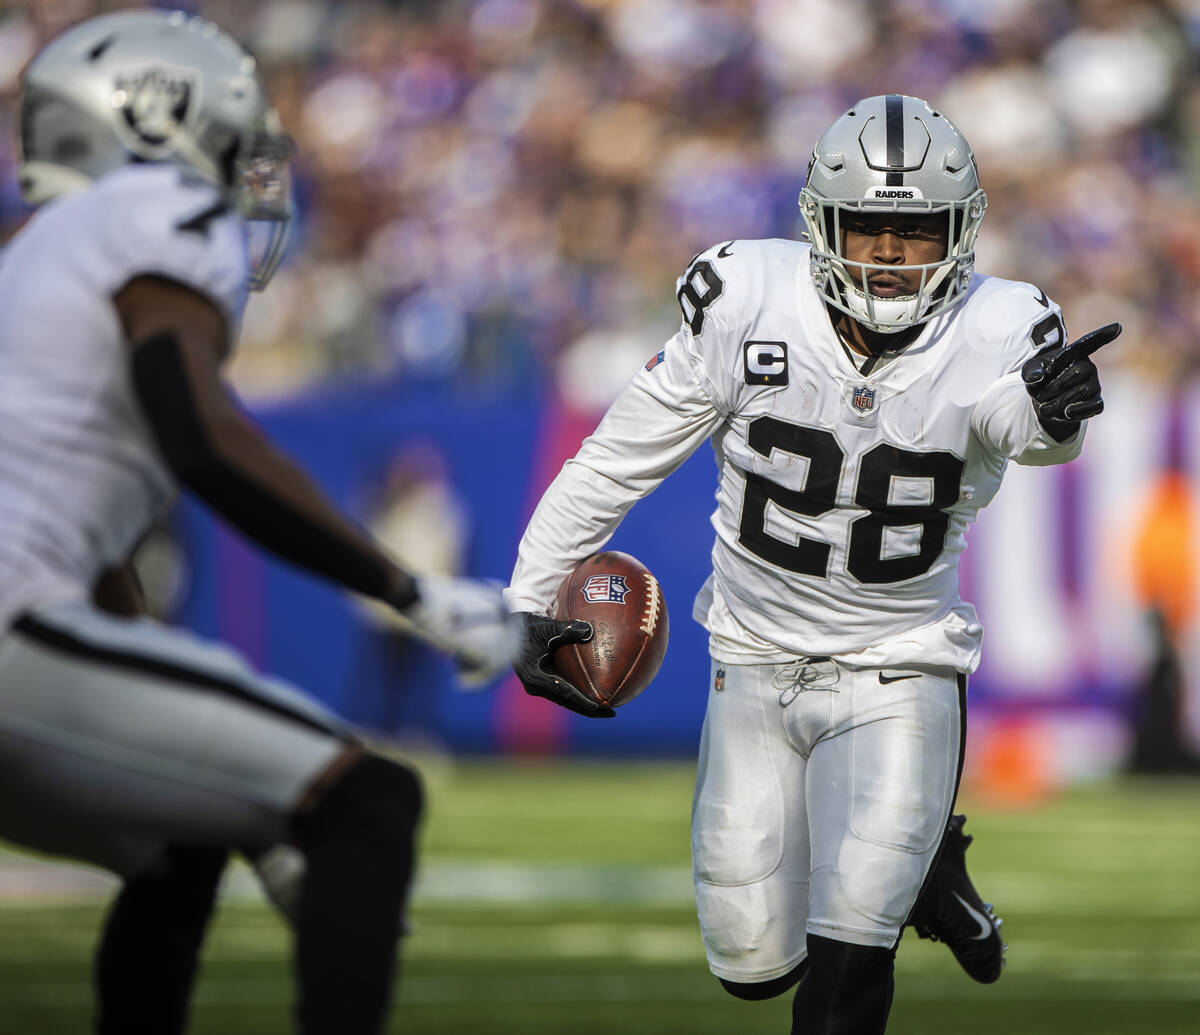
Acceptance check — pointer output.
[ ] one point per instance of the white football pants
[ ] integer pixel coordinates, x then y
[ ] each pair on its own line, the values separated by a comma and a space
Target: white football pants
119, 736
821, 798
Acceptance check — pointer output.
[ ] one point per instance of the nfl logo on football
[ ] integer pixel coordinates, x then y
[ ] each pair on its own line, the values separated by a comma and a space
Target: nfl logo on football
605, 589
864, 399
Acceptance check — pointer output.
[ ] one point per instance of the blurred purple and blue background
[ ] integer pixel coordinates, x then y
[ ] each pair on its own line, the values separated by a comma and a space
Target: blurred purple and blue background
495, 197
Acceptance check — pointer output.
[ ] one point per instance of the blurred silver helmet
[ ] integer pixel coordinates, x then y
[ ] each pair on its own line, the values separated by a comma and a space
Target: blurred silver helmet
155, 86
886, 154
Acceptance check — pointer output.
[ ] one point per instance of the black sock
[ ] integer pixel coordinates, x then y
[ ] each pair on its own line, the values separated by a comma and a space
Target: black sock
756, 991
359, 845
847, 989
146, 961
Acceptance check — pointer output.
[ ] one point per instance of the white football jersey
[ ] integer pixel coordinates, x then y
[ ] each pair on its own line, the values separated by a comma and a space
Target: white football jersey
843, 497
80, 477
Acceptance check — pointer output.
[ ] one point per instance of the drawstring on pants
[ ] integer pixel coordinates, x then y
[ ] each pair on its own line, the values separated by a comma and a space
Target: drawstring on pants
813, 672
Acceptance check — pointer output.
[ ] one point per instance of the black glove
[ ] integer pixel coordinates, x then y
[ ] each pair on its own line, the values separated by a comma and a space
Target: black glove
1064, 383
535, 664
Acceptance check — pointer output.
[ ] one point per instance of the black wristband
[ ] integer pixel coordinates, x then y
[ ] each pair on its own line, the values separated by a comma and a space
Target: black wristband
402, 593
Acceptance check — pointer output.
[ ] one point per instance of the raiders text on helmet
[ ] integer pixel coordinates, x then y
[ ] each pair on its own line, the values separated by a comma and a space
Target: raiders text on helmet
886, 154
155, 86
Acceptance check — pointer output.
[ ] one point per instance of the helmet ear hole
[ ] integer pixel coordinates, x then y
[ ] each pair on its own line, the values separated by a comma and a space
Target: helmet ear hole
71, 150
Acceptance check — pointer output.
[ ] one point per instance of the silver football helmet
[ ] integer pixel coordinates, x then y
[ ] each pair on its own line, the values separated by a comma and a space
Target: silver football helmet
886, 154
155, 86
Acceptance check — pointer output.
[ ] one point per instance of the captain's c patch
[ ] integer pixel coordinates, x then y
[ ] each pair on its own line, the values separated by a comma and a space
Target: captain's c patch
765, 362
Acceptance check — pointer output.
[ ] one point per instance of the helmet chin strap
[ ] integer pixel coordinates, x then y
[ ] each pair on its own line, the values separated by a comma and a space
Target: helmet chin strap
892, 315
184, 146
885, 315
43, 181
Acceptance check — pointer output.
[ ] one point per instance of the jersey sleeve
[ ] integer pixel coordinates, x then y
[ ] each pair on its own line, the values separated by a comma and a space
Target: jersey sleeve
716, 293
167, 222
656, 423
1004, 419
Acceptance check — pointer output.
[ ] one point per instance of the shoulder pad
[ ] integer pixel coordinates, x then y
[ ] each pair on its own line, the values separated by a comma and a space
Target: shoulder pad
697, 289
1009, 316
728, 279
168, 221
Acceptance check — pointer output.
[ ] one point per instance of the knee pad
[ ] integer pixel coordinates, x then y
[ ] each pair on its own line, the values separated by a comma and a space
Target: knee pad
756, 991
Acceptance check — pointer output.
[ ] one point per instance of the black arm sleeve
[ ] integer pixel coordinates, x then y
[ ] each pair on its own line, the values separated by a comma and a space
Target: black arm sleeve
161, 385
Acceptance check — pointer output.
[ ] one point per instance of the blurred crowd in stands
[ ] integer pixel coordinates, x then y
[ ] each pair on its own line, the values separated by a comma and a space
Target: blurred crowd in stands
501, 192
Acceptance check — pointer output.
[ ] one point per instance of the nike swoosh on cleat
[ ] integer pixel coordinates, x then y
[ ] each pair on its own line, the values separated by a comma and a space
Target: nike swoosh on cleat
985, 926
895, 679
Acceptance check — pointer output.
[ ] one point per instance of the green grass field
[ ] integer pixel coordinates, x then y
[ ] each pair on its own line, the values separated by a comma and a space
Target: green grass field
556, 898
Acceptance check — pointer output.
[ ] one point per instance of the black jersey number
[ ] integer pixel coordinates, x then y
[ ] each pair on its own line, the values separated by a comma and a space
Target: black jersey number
700, 288
825, 458
1048, 331
881, 466
942, 474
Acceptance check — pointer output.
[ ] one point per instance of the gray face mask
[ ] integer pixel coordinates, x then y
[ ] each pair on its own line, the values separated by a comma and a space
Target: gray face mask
263, 183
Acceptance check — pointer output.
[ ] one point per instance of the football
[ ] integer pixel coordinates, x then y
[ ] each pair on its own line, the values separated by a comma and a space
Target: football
623, 601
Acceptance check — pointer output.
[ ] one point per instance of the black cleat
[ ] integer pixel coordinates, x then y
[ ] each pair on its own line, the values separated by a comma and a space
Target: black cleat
951, 911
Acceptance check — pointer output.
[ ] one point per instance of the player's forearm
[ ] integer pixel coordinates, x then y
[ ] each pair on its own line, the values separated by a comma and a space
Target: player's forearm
218, 454
1006, 423
642, 439
270, 499
578, 514
1044, 450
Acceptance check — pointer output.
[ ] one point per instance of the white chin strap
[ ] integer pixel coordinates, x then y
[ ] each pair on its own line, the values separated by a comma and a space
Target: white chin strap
43, 181
886, 315
892, 315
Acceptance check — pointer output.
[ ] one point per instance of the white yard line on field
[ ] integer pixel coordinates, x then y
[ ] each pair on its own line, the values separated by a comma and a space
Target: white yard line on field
438, 881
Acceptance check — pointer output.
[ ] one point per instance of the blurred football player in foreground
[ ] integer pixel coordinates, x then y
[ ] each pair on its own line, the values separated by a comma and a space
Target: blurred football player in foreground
148, 141
864, 393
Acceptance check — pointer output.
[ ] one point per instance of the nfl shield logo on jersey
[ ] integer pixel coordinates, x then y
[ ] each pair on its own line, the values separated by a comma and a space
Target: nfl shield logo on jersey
864, 398
601, 589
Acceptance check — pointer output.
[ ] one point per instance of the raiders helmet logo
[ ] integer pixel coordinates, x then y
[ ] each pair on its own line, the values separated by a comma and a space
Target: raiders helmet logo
154, 104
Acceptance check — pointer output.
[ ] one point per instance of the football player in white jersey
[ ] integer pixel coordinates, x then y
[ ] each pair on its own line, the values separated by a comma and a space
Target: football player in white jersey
863, 393
149, 146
